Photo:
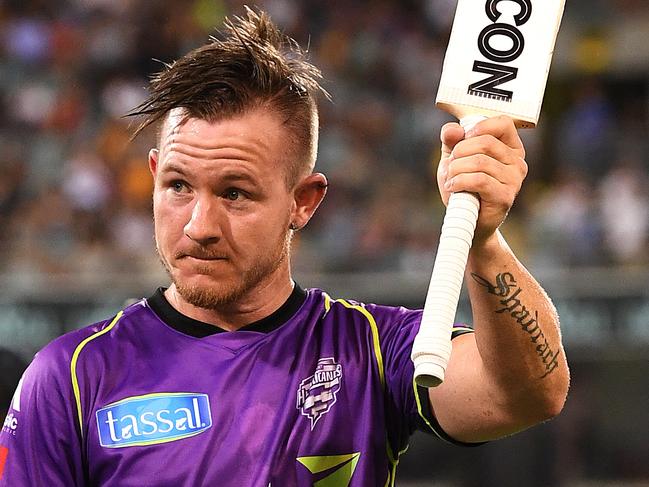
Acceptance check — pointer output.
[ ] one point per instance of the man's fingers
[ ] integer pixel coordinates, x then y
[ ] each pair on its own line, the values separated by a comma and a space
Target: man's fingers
451, 134
489, 162
502, 128
490, 146
488, 188
482, 163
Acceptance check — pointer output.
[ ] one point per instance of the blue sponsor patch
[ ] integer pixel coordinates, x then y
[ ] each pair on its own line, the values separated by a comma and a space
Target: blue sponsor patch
153, 419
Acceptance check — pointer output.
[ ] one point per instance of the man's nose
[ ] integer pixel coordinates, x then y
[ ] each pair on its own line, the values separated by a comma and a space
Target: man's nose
204, 226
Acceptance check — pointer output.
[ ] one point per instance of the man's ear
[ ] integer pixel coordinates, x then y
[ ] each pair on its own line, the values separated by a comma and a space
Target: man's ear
153, 161
308, 195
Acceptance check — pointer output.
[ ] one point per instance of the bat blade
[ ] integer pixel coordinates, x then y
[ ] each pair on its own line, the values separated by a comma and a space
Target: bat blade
498, 58
497, 63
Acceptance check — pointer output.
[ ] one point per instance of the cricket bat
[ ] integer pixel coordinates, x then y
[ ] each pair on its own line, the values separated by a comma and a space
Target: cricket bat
496, 63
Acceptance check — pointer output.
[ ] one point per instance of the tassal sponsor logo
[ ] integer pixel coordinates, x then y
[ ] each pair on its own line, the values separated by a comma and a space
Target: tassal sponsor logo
153, 419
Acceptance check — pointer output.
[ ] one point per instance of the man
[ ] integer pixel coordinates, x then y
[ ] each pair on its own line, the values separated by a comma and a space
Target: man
236, 376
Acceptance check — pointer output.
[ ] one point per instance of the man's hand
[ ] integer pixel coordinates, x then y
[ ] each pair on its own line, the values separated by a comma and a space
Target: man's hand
489, 162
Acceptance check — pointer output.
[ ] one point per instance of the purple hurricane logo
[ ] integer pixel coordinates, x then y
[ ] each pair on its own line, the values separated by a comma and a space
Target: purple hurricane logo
317, 393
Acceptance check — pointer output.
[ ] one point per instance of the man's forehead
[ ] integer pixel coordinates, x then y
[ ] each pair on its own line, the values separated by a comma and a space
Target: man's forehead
254, 135
263, 125
180, 127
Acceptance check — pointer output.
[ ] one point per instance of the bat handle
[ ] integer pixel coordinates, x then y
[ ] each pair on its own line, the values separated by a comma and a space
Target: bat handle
431, 349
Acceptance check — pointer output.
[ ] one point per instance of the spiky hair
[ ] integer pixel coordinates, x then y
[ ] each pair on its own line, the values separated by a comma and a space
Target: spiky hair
248, 65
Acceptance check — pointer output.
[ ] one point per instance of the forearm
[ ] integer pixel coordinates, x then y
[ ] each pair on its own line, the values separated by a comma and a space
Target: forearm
512, 373
517, 332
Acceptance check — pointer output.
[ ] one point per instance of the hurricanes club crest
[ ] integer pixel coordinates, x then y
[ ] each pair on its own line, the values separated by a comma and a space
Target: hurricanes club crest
317, 393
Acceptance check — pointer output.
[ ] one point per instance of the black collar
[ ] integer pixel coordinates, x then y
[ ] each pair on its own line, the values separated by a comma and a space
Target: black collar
199, 329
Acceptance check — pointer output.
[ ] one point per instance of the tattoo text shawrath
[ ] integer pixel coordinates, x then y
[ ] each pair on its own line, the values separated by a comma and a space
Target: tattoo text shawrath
509, 292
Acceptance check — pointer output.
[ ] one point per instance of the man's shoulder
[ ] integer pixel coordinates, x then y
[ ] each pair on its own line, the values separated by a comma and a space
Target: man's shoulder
375, 311
61, 352
50, 368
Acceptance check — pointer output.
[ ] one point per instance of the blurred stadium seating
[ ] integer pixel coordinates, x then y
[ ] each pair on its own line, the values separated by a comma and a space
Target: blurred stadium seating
75, 193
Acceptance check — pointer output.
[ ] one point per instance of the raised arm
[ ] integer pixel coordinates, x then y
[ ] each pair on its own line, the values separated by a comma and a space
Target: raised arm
512, 373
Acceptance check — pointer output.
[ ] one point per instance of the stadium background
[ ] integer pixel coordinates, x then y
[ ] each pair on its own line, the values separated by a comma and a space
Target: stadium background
75, 239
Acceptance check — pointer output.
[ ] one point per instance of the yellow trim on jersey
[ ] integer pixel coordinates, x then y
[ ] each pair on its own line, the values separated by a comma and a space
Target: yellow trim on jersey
327, 303
375, 336
376, 342
415, 392
73, 366
394, 462
419, 408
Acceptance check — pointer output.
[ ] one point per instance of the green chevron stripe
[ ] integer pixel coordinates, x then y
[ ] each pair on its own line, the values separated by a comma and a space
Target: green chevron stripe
341, 477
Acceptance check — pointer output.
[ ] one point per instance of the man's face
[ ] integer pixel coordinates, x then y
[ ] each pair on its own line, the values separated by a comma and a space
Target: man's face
221, 205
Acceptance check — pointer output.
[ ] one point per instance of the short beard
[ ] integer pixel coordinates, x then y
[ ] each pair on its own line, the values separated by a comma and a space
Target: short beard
219, 297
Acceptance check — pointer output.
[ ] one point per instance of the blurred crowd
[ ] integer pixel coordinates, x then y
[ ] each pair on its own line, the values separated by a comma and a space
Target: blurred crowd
75, 190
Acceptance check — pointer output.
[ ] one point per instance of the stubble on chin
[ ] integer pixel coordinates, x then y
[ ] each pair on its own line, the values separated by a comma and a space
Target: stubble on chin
211, 297
224, 293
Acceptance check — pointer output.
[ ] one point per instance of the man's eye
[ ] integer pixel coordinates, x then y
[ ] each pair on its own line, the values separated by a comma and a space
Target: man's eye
233, 194
178, 186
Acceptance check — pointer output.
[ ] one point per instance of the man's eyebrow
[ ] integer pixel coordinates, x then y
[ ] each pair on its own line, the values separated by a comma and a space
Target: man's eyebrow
239, 176
227, 177
173, 167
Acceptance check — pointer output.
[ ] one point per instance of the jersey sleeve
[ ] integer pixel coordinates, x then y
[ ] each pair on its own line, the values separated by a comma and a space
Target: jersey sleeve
407, 405
40, 440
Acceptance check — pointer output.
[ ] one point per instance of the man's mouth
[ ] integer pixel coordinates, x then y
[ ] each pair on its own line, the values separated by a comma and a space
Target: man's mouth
198, 255
205, 257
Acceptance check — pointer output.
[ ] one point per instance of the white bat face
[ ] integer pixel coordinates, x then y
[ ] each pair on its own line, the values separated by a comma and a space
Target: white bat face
498, 58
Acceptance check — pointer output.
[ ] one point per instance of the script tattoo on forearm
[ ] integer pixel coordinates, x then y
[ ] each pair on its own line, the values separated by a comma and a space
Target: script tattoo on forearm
509, 292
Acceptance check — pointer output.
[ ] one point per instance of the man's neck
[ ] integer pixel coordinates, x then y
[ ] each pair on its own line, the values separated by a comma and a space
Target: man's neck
258, 303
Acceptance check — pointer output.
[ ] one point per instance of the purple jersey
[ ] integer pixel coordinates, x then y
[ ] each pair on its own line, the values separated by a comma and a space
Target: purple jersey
319, 392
